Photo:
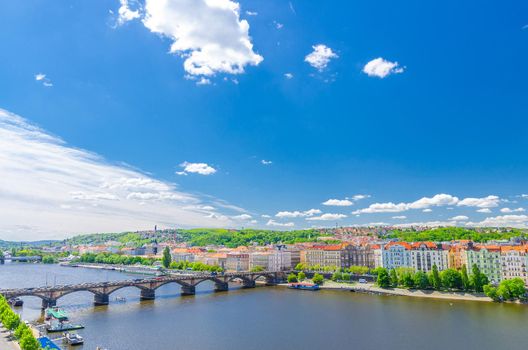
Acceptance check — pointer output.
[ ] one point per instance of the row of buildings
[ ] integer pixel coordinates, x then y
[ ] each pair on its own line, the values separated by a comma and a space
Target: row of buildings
498, 261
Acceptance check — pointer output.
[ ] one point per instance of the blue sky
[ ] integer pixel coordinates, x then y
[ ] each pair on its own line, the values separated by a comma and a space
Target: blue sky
442, 111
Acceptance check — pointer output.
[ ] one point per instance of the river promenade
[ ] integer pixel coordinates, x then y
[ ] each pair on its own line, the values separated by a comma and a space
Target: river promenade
371, 288
5, 342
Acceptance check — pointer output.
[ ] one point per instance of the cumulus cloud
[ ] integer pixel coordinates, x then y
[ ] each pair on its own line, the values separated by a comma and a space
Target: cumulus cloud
484, 210
338, 202
428, 210
427, 202
62, 190
288, 75
381, 68
242, 217
486, 202
272, 222
125, 13
508, 210
327, 217
297, 214
209, 35
400, 217
266, 162
196, 168
320, 56
251, 13
518, 221
459, 218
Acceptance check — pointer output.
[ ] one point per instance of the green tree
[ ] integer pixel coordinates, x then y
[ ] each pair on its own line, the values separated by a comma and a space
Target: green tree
466, 284
301, 276
393, 278
451, 279
478, 279
491, 292
257, 269
436, 283
420, 280
345, 277
337, 276
292, 278
407, 279
318, 279
301, 267
166, 259
383, 280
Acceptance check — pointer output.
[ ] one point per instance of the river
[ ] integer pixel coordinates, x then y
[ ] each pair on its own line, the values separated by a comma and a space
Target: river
270, 317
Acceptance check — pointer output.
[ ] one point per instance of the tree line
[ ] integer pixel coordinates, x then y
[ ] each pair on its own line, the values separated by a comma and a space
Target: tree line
12, 322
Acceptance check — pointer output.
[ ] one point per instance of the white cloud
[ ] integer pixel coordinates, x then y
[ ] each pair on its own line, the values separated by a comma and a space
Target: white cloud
381, 68
297, 214
197, 168
320, 56
524, 195
42, 176
42, 78
428, 210
426, 224
400, 217
459, 218
358, 197
484, 210
288, 75
125, 13
519, 221
279, 224
383, 208
327, 217
435, 201
486, 202
508, 210
427, 202
338, 202
278, 25
208, 34
203, 81
242, 217
266, 162
251, 13
266, 216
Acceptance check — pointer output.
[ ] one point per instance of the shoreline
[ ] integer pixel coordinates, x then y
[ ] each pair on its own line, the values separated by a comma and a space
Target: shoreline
369, 288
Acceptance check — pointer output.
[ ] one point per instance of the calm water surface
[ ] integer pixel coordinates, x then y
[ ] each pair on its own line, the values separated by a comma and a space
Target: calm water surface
270, 317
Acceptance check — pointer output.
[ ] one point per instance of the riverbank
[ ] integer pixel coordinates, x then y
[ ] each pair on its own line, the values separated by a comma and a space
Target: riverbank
370, 288
5, 340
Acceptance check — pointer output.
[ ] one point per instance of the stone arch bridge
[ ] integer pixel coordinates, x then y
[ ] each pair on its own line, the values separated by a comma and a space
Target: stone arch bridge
147, 286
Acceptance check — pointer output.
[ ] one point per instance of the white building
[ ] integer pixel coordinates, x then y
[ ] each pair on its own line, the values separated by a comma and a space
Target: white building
396, 254
514, 262
426, 254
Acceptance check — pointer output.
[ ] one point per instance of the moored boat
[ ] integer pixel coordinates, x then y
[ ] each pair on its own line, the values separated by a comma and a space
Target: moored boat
61, 327
73, 338
16, 302
304, 286
57, 313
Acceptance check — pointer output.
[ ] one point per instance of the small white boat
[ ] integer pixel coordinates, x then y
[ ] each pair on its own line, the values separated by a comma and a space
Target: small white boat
73, 338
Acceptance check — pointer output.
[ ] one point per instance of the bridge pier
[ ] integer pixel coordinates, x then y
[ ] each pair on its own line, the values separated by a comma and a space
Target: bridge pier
101, 299
48, 303
147, 294
221, 287
248, 284
188, 290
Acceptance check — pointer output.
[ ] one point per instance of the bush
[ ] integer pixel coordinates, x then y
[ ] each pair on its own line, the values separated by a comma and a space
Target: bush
292, 278
383, 279
318, 279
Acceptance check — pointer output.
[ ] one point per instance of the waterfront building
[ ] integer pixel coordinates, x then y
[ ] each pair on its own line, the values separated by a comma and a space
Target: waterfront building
488, 260
396, 254
426, 254
322, 255
514, 262
295, 255
182, 254
279, 260
457, 256
236, 261
357, 255
259, 259
376, 252
213, 259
